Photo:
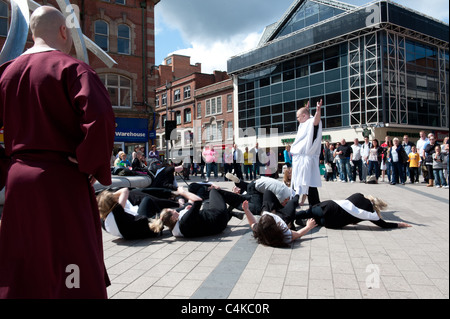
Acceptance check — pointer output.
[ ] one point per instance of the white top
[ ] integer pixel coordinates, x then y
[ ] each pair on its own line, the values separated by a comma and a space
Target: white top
305, 158
350, 208
176, 230
282, 225
277, 187
356, 152
110, 221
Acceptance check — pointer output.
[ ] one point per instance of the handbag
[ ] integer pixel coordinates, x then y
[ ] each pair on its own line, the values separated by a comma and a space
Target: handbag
328, 168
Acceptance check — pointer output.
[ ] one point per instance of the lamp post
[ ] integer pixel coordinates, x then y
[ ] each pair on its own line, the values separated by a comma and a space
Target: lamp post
168, 86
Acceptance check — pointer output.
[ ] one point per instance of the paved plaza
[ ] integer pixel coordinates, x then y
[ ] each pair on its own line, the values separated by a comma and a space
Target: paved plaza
359, 261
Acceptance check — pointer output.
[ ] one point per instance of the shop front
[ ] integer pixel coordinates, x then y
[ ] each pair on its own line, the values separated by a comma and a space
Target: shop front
130, 133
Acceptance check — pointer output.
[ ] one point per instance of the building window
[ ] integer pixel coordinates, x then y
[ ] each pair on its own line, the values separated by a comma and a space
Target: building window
177, 96
119, 88
229, 103
214, 106
164, 99
230, 130
101, 34
120, 2
123, 39
187, 116
3, 19
178, 116
157, 101
199, 110
187, 92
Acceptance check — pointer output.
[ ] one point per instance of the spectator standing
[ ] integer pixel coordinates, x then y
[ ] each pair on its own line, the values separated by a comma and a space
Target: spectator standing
396, 155
337, 160
209, 155
356, 158
375, 159
227, 161
429, 150
248, 167
288, 156
414, 164
444, 150
365, 150
421, 143
345, 153
438, 168
385, 165
256, 161
238, 159
407, 145
329, 162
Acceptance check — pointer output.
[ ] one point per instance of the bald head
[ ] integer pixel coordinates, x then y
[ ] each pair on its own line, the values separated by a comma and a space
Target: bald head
303, 114
48, 26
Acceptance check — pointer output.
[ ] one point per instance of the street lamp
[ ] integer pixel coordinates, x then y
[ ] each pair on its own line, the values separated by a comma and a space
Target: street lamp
168, 86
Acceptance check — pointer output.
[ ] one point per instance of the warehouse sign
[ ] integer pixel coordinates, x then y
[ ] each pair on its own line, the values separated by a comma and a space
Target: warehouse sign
131, 130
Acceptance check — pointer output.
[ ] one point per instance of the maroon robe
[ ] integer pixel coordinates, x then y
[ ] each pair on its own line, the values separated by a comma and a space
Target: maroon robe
53, 106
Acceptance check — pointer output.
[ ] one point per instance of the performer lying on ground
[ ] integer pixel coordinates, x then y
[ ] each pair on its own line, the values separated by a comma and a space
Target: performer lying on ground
196, 222
126, 213
355, 209
274, 226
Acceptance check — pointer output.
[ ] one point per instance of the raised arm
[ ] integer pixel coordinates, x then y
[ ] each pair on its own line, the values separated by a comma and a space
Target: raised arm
122, 196
250, 218
188, 195
318, 114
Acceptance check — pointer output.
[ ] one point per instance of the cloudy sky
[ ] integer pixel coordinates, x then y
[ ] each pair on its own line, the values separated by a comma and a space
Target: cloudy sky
212, 31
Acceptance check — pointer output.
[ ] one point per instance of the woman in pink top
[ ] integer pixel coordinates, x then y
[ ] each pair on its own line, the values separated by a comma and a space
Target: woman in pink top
209, 155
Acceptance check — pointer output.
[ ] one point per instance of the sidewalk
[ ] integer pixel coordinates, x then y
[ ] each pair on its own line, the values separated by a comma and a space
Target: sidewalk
361, 261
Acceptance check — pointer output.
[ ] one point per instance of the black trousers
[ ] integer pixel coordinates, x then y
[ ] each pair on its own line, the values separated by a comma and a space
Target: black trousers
149, 206
271, 204
165, 179
212, 219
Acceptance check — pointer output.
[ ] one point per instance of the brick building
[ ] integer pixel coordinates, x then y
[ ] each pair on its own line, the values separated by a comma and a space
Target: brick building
201, 104
125, 30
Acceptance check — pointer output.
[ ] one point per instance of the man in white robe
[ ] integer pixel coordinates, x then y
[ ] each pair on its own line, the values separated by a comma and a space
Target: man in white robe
305, 155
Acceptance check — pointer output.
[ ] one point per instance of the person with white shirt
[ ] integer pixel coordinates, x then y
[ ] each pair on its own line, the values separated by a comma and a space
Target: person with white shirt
421, 143
356, 160
365, 151
336, 214
274, 228
126, 214
197, 220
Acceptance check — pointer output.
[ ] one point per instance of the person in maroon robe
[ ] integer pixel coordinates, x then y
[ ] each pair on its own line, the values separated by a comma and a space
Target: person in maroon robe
59, 132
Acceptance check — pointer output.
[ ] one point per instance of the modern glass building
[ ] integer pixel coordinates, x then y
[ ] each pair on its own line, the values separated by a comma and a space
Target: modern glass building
381, 69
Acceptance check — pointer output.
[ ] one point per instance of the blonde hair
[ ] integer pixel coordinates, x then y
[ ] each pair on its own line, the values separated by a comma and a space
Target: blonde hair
287, 176
378, 204
156, 225
107, 201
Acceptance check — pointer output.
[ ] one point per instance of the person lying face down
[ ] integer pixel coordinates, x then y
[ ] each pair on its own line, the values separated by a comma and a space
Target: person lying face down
275, 227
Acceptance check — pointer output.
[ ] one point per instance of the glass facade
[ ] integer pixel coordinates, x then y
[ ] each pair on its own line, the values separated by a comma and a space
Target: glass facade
376, 77
270, 98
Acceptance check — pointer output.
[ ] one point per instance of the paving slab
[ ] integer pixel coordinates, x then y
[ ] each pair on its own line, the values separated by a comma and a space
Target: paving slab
357, 262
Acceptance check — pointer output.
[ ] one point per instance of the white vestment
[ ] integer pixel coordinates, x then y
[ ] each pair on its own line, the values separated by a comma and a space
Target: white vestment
305, 158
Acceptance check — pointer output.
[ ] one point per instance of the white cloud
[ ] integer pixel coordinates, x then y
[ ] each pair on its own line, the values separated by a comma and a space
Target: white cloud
214, 56
216, 30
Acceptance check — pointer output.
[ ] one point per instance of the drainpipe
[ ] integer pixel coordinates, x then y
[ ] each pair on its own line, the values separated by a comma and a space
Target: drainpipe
144, 51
